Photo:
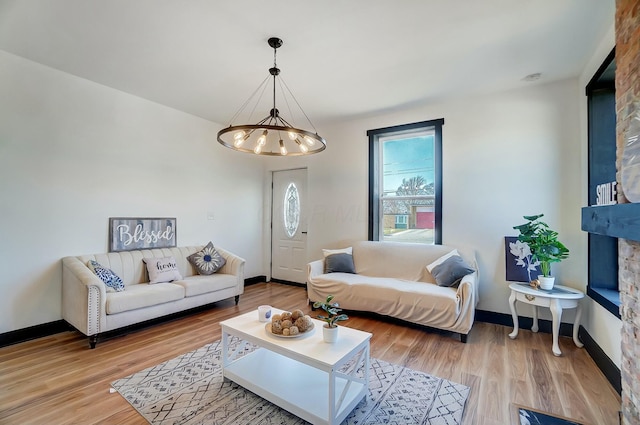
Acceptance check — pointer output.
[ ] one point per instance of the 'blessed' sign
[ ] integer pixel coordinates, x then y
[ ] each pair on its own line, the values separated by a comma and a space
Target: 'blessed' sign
141, 233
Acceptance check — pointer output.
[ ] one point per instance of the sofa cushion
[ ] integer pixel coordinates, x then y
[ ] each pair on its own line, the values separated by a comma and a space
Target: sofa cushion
110, 279
398, 260
451, 271
162, 269
208, 260
197, 285
142, 295
417, 302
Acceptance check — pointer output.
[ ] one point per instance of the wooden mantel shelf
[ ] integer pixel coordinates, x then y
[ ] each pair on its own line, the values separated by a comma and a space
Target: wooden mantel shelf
618, 221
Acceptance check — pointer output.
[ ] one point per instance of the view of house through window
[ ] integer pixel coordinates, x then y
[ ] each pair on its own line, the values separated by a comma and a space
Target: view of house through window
408, 198
405, 183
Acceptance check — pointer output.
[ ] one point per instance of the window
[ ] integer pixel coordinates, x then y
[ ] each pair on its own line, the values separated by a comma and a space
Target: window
401, 221
405, 183
603, 250
291, 210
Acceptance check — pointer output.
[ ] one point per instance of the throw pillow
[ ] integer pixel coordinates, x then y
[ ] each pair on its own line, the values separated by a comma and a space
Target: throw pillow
339, 260
112, 280
162, 269
451, 271
327, 252
208, 261
441, 260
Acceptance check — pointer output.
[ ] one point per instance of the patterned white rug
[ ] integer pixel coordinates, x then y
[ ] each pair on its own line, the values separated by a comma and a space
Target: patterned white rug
190, 390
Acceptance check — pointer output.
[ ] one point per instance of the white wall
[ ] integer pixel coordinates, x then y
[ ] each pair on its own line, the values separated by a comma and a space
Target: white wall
505, 155
74, 153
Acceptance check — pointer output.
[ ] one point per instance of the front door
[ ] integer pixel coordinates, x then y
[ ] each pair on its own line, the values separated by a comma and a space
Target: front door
289, 226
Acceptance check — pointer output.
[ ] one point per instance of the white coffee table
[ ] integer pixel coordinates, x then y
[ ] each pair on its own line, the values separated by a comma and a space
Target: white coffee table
556, 299
305, 375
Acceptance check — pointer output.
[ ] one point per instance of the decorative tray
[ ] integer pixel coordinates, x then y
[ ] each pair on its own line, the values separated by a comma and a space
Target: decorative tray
267, 328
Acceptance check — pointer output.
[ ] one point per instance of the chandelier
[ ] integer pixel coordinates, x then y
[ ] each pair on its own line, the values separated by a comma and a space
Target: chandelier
272, 135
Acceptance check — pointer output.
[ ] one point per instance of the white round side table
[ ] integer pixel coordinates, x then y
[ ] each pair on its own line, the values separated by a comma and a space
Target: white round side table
556, 299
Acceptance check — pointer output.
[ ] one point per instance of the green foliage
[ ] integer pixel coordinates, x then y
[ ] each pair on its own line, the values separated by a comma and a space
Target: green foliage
333, 312
543, 242
415, 186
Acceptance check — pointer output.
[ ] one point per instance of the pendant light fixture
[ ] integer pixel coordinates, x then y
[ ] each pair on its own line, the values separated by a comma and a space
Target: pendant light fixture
272, 135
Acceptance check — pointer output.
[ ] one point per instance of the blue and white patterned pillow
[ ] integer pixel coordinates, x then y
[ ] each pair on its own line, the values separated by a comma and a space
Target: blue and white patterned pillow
112, 280
208, 261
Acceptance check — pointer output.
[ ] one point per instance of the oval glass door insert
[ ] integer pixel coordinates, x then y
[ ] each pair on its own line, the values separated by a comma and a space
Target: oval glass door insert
291, 210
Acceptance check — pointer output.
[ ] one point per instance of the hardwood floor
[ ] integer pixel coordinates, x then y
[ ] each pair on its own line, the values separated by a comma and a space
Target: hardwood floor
59, 380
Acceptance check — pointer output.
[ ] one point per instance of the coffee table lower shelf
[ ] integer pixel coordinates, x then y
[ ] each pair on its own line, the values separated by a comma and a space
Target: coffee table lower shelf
296, 387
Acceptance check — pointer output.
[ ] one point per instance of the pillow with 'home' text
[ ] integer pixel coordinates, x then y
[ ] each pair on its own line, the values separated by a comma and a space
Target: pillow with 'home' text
162, 269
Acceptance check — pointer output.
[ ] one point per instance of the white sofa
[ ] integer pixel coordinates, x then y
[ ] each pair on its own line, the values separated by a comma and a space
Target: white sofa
88, 307
392, 279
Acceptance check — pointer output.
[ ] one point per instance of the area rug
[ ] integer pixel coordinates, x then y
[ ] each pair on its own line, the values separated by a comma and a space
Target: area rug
190, 390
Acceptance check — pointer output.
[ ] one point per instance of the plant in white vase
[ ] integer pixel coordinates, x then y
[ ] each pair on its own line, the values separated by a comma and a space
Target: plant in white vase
333, 316
545, 246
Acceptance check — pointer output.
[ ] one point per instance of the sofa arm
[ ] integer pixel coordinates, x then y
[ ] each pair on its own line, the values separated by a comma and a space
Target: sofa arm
467, 289
315, 268
468, 300
83, 297
234, 266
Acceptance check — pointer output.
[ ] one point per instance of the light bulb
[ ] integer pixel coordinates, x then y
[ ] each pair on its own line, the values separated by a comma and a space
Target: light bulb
303, 148
283, 149
238, 135
309, 140
240, 140
263, 139
292, 135
257, 149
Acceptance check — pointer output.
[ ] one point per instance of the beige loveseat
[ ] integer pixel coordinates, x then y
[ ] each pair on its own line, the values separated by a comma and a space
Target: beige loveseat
392, 279
90, 308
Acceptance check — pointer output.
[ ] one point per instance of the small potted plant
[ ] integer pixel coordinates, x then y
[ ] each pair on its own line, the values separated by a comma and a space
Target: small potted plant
333, 316
545, 247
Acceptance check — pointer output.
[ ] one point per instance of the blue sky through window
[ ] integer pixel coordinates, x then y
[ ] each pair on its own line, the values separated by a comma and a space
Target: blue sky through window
406, 158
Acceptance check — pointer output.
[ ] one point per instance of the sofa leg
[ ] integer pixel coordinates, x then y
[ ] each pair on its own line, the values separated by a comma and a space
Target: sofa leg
463, 338
93, 340
237, 299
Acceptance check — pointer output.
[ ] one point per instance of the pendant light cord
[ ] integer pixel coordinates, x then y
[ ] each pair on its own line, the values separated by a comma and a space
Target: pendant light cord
275, 74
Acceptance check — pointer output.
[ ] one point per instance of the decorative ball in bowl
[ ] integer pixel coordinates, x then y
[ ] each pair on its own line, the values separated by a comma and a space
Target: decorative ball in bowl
290, 324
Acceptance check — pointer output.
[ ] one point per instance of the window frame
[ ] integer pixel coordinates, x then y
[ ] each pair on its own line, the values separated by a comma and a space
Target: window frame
602, 250
375, 168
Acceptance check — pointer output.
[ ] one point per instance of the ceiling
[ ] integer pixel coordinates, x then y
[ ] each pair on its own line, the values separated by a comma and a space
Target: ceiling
341, 59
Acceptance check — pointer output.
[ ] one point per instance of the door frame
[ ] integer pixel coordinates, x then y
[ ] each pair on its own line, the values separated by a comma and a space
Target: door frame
270, 241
